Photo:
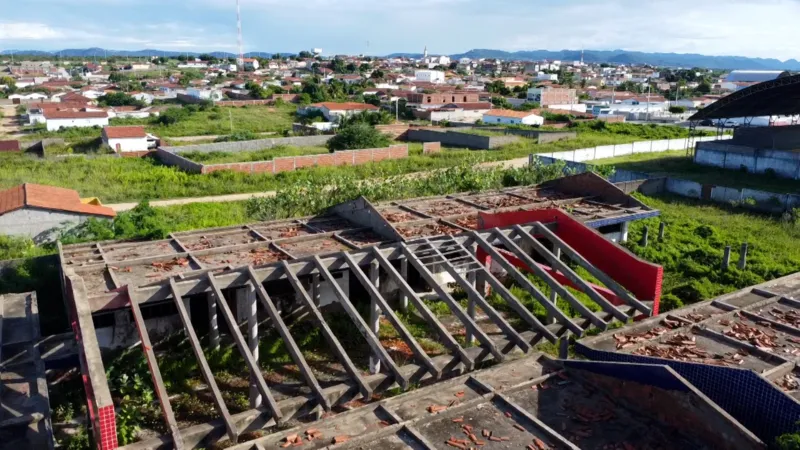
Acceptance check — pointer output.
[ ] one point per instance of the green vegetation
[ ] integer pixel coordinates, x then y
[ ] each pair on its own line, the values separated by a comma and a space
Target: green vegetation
134, 179
677, 164
644, 132
260, 155
696, 236
358, 135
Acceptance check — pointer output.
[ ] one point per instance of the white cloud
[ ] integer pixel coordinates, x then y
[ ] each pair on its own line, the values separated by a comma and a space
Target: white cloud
28, 31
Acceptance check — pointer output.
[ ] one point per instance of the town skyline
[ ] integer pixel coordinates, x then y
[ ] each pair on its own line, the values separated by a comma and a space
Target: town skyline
358, 27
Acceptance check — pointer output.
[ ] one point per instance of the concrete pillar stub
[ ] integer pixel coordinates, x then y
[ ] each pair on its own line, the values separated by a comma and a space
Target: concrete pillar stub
374, 315
213, 324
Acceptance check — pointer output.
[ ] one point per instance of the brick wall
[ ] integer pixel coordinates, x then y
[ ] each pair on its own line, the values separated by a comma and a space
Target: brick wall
431, 147
289, 163
243, 102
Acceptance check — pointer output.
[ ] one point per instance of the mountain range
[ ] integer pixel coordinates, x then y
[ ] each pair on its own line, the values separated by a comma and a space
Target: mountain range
686, 60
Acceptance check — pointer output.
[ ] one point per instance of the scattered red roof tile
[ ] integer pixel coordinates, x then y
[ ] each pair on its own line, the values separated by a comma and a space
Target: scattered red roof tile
48, 197
130, 132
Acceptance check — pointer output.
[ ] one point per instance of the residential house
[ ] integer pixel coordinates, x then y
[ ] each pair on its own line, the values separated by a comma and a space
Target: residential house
429, 76
349, 78
145, 97
29, 96
56, 120
549, 97
205, 94
33, 210
334, 111
250, 64
125, 139
440, 98
509, 117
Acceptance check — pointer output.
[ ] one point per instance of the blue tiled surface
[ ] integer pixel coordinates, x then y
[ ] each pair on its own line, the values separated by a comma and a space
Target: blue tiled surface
752, 400
652, 375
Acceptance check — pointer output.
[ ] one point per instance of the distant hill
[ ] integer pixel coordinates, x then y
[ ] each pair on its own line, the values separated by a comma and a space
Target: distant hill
593, 56
626, 57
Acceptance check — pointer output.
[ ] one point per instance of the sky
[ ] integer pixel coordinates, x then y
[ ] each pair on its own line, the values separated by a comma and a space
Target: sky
763, 28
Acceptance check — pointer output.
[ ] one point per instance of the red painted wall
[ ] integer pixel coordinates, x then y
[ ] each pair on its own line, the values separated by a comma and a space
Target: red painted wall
641, 278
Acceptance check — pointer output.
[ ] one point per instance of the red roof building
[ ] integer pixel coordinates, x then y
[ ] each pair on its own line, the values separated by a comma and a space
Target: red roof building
37, 196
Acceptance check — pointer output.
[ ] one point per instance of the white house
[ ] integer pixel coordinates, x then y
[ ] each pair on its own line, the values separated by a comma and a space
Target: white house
57, 120
509, 117
125, 139
205, 94
541, 76
143, 97
429, 76
250, 64
334, 111
31, 96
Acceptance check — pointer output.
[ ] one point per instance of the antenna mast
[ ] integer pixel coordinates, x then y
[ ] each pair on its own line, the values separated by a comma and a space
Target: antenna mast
240, 61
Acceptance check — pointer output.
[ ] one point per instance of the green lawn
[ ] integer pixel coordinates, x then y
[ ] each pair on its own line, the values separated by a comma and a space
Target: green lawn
260, 155
216, 121
696, 236
677, 164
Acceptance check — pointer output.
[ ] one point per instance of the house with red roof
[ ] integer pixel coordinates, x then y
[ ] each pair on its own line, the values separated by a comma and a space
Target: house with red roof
334, 111
125, 139
58, 119
33, 210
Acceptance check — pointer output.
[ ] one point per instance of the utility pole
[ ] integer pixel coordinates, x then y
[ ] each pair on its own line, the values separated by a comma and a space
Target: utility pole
647, 117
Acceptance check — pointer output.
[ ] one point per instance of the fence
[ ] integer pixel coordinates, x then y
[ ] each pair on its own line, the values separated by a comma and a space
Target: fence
289, 163
612, 151
764, 201
785, 164
456, 139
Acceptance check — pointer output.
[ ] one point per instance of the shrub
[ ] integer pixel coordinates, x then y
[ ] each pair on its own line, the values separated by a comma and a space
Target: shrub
238, 136
677, 109
356, 136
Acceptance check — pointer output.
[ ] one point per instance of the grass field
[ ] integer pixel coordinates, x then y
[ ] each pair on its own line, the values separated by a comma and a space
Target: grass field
677, 164
260, 155
217, 121
131, 179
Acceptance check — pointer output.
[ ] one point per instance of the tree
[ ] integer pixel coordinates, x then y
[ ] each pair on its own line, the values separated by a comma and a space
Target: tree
704, 88
357, 136
351, 67
173, 115
304, 99
501, 102
338, 65
255, 90
118, 99
364, 67
305, 54
677, 109
372, 100
377, 74
527, 106
116, 77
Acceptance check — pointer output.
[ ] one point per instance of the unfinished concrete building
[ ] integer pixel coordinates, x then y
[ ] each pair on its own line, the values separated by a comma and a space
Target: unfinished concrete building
353, 274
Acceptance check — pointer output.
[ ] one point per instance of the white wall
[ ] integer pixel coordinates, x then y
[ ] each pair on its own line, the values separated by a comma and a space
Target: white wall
530, 120
33, 223
430, 76
128, 144
57, 124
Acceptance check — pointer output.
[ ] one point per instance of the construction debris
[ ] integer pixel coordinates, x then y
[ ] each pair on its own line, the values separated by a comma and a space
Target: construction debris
790, 317
166, 266
629, 340
788, 383
752, 335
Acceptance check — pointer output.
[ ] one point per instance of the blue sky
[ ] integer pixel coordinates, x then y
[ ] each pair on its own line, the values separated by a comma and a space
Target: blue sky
763, 28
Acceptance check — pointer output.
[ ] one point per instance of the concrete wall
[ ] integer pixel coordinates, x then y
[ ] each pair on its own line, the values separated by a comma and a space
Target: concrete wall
289, 163
35, 223
785, 164
542, 137
250, 146
776, 138
172, 159
457, 139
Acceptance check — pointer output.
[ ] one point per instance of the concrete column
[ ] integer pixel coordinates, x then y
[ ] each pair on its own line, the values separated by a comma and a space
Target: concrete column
645, 233
374, 315
623, 235
553, 294
726, 258
661, 227
213, 327
563, 346
247, 296
315, 288
473, 278
124, 329
743, 257
404, 275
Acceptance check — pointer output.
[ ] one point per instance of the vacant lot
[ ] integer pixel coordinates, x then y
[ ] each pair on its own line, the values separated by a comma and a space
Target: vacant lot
679, 165
260, 155
130, 179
